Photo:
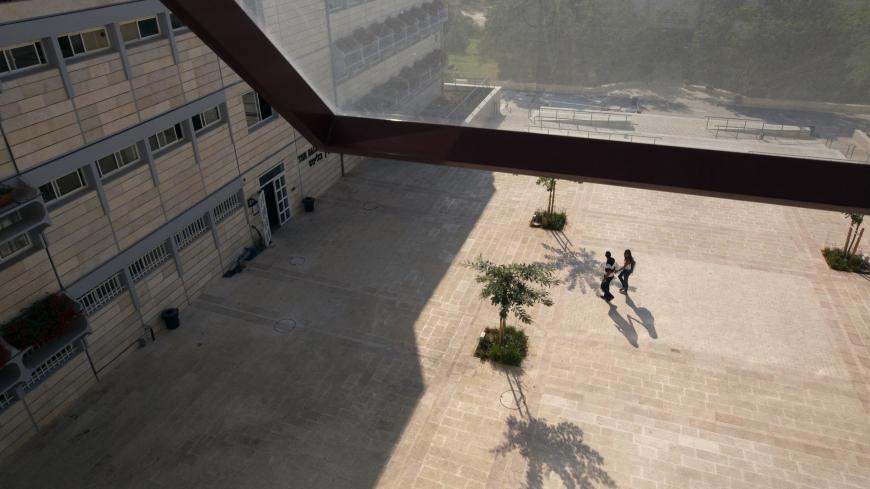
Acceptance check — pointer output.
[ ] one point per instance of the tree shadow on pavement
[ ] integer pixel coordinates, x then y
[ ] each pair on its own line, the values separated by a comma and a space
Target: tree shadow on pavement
554, 448
581, 265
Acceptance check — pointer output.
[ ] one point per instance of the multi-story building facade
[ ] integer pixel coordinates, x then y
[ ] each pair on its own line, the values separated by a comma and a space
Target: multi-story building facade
140, 166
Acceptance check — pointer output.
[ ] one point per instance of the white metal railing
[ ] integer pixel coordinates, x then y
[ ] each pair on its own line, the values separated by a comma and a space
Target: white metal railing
226, 208
53, 363
190, 233
6, 399
610, 136
102, 294
148, 262
757, 128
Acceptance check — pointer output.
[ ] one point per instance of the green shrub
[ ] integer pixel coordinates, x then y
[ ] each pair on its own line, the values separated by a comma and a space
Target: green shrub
838, 260
512, 352
554, 221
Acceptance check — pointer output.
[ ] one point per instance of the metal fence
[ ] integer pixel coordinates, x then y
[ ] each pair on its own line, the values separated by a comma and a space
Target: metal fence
148, 262
226, 208
735, 126
94, 299
189, 233
609, 136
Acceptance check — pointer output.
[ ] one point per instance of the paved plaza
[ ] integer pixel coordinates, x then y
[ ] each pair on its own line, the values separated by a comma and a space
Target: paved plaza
342, 358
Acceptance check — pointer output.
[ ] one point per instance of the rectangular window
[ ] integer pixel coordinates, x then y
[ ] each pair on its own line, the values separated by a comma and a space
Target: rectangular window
19, 57
62, 186
83, 42
118, 160
175, 21
206, 119
10, 248
166, 137
140, 29
256, 109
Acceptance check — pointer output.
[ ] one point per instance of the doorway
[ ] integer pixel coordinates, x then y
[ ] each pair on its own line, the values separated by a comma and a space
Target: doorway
273, 184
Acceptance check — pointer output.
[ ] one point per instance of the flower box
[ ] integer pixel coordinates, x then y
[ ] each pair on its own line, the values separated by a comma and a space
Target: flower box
43, 322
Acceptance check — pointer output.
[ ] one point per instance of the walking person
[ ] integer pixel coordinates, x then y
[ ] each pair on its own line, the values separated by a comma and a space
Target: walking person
625, 271
609, 272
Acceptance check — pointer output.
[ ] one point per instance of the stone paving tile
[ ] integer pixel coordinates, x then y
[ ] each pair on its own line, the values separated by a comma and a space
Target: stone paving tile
342, 357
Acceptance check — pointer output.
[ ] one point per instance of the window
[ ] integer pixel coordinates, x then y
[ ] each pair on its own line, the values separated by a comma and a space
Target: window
206, 119
14, 246
117, 160
140, 29
83, 42
256, 109
175, 21
166, 137
20, 57
62, 186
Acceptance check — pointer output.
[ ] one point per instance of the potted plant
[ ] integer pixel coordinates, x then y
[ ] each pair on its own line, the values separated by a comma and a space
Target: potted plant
511, 288
43, 321
5, 196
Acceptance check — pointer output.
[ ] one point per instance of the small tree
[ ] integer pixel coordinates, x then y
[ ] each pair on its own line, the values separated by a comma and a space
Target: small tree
512, 288
853, 237
550, 185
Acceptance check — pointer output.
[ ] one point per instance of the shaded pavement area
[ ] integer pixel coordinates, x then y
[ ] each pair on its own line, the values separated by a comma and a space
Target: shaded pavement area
343, 356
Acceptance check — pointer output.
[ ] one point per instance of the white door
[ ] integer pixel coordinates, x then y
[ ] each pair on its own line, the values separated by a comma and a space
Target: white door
264, 216
282, 198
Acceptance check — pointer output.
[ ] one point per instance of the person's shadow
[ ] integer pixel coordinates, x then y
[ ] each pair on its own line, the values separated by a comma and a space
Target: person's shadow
623, 326
644, 317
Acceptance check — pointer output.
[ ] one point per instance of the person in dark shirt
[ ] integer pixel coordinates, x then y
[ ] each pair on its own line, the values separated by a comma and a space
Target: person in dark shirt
609, 272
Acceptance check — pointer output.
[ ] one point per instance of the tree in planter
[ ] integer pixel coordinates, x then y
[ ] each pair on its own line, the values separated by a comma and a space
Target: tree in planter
550, 185
512, 288
853, 237
549, 218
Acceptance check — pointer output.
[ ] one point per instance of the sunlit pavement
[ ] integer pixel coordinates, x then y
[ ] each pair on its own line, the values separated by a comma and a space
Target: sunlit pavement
343, 356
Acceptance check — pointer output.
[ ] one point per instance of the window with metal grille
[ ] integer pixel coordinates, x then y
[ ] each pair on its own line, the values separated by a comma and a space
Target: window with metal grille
55, 362
102, 294
226, 208
140, 268
188, 235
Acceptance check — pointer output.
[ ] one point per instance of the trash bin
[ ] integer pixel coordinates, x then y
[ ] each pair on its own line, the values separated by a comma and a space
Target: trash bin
308, 204
170, 318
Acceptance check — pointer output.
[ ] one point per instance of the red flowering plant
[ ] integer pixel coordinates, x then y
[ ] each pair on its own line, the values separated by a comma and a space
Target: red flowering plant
41, 322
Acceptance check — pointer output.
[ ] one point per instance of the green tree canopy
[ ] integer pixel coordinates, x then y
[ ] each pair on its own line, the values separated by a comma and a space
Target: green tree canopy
802, 49
513, 287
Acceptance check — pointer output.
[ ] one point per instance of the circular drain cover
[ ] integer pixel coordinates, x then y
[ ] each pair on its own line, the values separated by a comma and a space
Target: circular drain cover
508, 400
370, 206
284, 326
297, 260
